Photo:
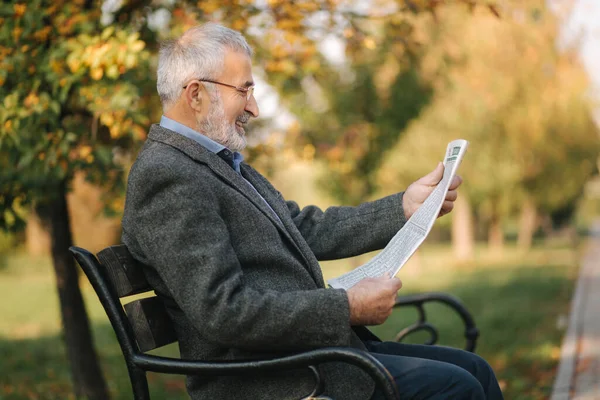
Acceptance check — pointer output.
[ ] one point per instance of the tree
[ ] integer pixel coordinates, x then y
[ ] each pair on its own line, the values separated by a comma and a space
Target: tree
532, 137
75, 94
71, 94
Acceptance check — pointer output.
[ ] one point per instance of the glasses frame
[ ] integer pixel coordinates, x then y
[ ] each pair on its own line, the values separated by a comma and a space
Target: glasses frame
248, 91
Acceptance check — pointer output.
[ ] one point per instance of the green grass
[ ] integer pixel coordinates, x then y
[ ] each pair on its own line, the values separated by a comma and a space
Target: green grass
516, 301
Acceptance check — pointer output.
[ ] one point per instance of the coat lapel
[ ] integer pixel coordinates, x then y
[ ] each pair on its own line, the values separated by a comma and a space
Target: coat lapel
197, 152
268, 193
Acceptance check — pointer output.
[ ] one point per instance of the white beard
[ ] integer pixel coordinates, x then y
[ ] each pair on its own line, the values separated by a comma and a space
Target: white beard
216, 127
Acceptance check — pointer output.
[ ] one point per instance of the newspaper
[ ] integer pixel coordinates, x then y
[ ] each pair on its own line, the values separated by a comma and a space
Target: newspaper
413, 233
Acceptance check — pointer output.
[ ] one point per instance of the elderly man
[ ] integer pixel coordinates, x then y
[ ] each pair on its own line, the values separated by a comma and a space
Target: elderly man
237, 266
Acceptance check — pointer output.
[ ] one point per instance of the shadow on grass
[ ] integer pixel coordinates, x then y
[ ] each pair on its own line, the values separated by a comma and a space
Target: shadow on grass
516, 310
37, 369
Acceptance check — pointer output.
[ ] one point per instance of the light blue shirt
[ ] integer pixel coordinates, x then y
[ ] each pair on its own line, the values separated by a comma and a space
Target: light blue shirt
205, 141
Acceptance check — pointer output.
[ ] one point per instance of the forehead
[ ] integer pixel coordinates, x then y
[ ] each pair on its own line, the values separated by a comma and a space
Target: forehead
237, 68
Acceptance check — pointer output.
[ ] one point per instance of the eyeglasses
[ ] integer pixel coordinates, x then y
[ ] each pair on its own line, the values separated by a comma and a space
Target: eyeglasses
248, 91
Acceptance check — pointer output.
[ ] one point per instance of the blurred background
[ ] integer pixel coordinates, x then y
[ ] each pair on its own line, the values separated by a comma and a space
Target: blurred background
358, 99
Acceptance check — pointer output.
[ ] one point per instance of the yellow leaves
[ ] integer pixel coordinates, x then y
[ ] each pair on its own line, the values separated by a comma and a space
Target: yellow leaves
129, 62
31, 69
96, 73
107, 119
288, 24
137, 46
308, 6
308, 152
287, 67
8, 125
57, 67
139, 132
112, 72
74, 63
108, 55
115, 131
239, 24
31, 100
119, 124
369, 43
11, 101
52, 9
85, 151
24, 48
106, 33
209, 7
19, 10
16, 33
279, 51
43, 34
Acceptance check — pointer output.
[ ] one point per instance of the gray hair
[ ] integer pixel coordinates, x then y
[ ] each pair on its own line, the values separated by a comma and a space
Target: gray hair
197, 54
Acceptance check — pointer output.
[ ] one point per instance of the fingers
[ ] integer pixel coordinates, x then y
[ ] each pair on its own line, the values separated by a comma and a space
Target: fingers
452, 195
390, 283
434, 177
448, 204
446, 207
393, 284
396, 284
456, 182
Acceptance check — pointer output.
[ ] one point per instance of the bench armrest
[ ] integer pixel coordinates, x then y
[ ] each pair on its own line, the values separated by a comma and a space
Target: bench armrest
418, 300
308, 359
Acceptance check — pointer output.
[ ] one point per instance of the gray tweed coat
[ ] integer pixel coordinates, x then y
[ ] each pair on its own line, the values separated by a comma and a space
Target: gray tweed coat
239, 282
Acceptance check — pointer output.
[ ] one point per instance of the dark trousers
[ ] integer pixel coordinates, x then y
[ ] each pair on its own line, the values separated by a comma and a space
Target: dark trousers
436, 372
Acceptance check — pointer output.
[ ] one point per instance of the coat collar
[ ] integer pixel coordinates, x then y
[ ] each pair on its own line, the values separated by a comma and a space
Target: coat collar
219, 166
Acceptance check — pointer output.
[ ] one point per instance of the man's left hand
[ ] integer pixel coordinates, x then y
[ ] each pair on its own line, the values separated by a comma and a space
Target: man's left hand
418, 191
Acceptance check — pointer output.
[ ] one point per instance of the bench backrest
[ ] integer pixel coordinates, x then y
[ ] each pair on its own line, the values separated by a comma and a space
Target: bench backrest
148, 318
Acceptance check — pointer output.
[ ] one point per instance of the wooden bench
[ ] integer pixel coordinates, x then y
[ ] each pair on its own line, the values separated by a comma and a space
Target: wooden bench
144, 324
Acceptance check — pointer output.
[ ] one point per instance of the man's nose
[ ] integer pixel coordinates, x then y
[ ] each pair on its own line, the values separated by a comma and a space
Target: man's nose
252, 106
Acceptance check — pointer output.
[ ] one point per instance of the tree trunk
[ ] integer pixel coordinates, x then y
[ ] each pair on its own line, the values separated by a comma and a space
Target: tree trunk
527, 225
496, 235
463, 237
88, 381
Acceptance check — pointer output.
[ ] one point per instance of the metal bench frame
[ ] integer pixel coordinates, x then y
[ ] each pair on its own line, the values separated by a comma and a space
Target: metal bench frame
140, 326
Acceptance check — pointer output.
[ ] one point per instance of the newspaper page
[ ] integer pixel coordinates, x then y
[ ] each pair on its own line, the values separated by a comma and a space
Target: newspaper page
413, 233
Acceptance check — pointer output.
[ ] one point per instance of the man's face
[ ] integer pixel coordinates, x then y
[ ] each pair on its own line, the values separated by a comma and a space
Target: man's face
229, 109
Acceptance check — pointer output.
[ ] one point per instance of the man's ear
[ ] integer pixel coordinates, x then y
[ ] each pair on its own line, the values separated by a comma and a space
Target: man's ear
196, 96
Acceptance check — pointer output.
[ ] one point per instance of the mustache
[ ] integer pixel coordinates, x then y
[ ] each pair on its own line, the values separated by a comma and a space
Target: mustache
244, 117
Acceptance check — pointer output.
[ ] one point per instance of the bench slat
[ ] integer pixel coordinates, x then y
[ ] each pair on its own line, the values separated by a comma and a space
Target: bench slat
123, 270
151, 323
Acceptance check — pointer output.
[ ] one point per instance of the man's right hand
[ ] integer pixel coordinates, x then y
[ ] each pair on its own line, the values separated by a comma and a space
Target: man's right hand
372, 300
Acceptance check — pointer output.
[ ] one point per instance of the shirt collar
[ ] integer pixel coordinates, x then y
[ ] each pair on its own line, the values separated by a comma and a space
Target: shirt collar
204, 140
234, 159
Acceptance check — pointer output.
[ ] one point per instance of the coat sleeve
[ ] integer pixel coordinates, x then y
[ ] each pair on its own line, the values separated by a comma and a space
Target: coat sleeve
340, 232
189, 247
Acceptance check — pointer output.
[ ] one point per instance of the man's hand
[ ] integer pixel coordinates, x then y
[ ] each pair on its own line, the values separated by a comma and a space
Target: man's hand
418, 191
372, 300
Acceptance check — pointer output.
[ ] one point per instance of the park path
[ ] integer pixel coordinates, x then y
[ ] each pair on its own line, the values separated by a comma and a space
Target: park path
578, 375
